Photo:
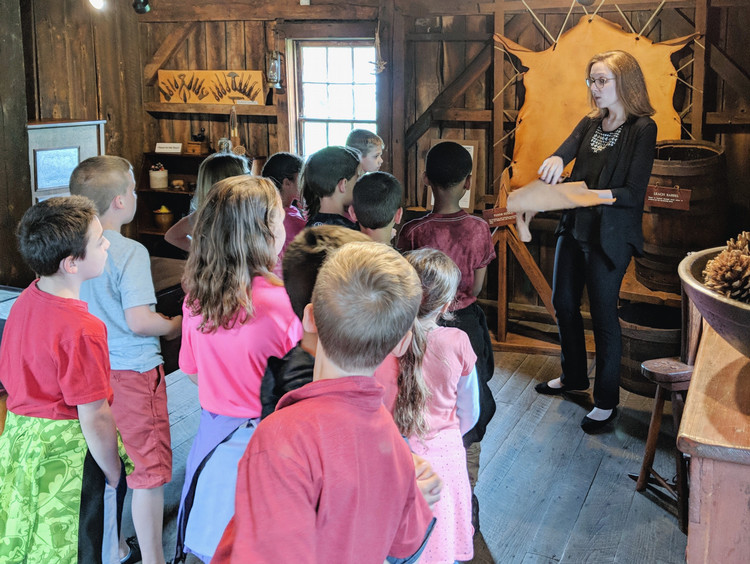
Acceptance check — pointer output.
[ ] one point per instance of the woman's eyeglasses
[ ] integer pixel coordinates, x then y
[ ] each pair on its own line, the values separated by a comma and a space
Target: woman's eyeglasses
600, 82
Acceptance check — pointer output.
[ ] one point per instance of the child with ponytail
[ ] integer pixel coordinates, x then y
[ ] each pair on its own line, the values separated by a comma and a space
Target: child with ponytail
235, 316
438, 401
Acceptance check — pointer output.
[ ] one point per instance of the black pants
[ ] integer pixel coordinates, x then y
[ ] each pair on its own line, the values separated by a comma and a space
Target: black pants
472, 321
579, 264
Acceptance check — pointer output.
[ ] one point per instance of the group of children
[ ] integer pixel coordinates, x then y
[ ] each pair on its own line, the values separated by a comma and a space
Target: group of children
307, 387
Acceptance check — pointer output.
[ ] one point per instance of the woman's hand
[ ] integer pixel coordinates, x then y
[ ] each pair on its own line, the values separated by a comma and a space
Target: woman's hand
551, 170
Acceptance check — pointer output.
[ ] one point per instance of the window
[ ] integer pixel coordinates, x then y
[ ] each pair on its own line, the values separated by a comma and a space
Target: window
335, 92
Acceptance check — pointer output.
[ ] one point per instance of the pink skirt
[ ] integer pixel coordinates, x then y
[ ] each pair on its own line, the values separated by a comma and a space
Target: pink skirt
451, 539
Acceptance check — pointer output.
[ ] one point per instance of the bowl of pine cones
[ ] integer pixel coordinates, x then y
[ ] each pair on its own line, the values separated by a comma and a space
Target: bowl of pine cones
717, 281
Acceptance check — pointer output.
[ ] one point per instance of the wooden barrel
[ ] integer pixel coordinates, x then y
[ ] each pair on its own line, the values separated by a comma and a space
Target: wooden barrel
669, 234
648, 331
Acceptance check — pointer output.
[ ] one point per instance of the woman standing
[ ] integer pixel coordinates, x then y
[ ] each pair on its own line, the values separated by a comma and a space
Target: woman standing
614, 150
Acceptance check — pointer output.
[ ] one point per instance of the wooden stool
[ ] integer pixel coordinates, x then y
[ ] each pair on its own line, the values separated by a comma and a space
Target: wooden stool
673, 377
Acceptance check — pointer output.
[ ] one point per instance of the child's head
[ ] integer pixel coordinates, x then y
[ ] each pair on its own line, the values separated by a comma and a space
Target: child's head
102, 179
364, 302
377, 198
283, 169
238, 234
325, 172
55, 229
447, 165
440, 278
370, 146
215, 167
304, 257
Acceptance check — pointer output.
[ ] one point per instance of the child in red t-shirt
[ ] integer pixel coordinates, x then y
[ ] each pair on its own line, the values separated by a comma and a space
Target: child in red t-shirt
327, 477
466, 239
60, 465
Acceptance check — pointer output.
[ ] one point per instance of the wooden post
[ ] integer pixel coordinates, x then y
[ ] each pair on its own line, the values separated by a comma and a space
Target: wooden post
398, 112
700, 56
498, 164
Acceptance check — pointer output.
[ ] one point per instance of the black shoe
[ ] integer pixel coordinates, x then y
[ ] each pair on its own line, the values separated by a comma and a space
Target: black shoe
544, 388
475, 513
135, 551
592, 425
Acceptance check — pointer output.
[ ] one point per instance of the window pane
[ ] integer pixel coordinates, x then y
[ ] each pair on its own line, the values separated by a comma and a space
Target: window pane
341, 104
364, 101
340, 65
337, 133
313, 64
315, 99
364, 67
314, 137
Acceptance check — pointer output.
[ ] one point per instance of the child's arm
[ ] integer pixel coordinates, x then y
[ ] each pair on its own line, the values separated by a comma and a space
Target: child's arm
98, 428
479, 275
467, 402
142, 321
179, 234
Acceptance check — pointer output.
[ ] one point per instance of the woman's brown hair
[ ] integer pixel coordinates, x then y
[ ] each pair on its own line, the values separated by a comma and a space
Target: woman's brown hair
233, 242
629, 83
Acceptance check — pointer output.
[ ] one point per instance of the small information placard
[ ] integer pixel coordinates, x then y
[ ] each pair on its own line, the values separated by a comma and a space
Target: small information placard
674, 198
168, 148
499, 216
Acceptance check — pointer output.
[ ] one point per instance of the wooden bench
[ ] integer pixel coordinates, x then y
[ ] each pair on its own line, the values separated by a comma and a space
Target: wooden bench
715, 432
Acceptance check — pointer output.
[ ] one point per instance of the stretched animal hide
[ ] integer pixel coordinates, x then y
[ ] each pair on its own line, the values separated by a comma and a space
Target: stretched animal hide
556, 92
539, 196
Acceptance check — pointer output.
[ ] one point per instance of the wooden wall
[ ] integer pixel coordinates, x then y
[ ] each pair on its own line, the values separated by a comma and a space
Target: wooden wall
83, 64
15, 194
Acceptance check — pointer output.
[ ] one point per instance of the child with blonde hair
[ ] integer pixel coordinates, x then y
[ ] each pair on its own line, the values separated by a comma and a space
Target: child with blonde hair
438, 402
236, 314
370, 146
215, 167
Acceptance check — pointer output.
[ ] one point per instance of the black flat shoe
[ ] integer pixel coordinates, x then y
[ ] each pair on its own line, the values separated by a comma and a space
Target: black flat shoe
543, 388
593, 426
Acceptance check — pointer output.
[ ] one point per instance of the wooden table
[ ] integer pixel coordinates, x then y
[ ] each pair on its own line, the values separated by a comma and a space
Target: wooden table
715, 431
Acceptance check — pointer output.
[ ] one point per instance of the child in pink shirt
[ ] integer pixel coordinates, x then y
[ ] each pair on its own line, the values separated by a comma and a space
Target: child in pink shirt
236, 314
436, 405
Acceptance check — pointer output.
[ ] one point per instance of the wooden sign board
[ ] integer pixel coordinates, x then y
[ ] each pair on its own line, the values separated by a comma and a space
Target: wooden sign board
497, 217
667, 197
211, 87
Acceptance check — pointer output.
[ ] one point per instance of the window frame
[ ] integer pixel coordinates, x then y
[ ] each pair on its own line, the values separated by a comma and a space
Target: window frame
296, 34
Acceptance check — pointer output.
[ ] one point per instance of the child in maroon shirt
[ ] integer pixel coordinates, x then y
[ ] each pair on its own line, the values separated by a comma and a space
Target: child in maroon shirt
465, 239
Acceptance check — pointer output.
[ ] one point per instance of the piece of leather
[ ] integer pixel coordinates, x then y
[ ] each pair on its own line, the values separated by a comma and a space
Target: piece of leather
539, 196
557, 95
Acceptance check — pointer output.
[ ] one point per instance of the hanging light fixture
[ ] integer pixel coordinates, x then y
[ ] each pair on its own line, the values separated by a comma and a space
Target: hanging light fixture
273, 64
98, 4
141, 6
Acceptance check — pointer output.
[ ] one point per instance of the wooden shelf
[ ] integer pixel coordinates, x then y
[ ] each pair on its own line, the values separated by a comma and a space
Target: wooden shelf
212, 109
634, 291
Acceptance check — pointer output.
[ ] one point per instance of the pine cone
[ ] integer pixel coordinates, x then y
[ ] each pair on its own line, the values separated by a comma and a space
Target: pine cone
729, 272
742, 244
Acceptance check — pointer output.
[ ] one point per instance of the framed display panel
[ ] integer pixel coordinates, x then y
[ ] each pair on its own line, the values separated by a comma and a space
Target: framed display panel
55, 149
467, 200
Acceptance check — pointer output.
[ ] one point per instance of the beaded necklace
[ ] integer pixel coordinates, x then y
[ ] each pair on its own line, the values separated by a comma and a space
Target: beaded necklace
603, 139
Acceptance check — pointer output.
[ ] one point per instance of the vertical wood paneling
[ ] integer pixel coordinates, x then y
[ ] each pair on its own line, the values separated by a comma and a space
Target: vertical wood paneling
65, 59
255, 134
15, 191
476, 98
427, 80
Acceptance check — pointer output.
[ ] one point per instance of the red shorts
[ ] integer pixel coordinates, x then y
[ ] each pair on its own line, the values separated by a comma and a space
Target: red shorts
141, 415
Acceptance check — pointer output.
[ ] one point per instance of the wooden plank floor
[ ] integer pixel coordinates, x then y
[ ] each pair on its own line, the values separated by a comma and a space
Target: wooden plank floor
548, 492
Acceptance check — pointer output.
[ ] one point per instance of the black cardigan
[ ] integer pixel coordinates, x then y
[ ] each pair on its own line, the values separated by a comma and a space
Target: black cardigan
625, 173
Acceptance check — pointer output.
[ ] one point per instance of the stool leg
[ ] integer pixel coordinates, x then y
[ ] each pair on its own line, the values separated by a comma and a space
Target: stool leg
653, 435
682, 477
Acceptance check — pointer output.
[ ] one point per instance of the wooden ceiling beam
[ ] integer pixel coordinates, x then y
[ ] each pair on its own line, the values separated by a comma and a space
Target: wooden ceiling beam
418, 8
165, 51
197, 10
